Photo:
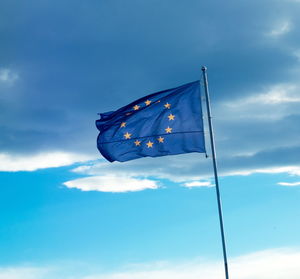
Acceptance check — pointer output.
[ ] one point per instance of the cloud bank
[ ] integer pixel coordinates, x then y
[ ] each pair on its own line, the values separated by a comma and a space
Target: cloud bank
268, 264
94, 62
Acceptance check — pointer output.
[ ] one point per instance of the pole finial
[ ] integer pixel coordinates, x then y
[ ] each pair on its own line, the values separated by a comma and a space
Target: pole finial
204, 68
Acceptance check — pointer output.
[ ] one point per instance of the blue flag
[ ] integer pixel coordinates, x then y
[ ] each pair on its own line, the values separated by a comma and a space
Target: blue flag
164, 123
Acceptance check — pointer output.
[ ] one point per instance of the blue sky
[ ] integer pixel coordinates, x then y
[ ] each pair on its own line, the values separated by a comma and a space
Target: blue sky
68, 213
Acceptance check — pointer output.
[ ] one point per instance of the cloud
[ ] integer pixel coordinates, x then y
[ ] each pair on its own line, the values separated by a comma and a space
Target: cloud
23, 272
13, 163
198, 184
280, 29
7, 76
254, 96
291, 184
267, 264
112, 183
291, 170
196, 173
274, 103
103, 176
277, 94
173, 168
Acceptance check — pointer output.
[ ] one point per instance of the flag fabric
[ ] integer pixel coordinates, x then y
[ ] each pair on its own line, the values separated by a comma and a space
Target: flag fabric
168, 122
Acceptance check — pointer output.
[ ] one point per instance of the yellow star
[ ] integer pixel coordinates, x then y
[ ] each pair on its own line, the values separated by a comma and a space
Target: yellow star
161, 139
123, 124
148, 102
171, 116
127, 135
167, 105
168, 130
137, 143
136, 107
149, 144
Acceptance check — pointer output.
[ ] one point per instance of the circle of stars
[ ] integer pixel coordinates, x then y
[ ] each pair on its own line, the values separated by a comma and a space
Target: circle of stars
160, 139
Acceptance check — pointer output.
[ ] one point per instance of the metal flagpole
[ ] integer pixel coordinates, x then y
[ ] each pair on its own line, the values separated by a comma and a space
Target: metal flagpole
212, 142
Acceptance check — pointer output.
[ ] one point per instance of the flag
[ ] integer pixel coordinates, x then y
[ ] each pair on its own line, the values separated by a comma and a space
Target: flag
168, 122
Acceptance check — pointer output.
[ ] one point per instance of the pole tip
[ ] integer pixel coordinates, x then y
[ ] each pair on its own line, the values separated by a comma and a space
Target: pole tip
203, 68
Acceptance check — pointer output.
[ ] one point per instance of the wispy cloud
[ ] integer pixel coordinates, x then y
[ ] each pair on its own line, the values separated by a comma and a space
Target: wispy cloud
172, 168
278, 94
112, 183
273, 103
289, 184
10, 162
24, 272
7, 76
280, 29
291, 170
268, 264
118, 177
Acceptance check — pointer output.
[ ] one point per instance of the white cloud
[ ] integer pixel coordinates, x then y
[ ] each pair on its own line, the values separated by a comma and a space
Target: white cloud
280, 29
198, 184
134, 176
291, 170
174, 168
277, 94
111, 183
103, 174
267, 264
7, 76
140, 169
9, 162
273, 103
291, 184
23, 272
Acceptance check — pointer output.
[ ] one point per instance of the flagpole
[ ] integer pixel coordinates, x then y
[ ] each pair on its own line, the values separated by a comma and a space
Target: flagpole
212, 142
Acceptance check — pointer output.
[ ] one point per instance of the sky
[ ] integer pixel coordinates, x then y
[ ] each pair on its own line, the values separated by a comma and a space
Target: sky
67, 213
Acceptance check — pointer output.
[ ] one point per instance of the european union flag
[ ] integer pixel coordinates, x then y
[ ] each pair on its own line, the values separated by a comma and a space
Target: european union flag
164, 123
